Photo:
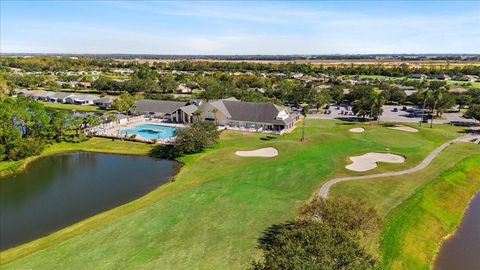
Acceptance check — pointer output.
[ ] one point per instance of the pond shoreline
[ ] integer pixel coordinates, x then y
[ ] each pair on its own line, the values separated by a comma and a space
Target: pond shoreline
51, 150
454, 232
59, 190
94, 221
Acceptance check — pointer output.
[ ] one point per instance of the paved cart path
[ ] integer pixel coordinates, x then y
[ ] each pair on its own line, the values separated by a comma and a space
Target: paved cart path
323, 193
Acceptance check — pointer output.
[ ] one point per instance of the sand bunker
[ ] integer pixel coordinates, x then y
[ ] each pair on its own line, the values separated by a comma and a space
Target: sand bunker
369, 161
262, 152
357, 130
404, 128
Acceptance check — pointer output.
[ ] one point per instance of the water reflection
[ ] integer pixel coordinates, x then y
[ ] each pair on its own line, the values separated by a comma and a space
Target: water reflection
462, 250
57, 191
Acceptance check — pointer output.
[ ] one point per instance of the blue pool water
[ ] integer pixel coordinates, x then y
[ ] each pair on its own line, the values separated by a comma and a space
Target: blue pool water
150, 131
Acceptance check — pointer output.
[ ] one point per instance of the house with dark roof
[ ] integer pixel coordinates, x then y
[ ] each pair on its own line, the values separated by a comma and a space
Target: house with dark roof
156, 108
59, 97
104, 102
36, 94
249, 116
231, 113
80, 99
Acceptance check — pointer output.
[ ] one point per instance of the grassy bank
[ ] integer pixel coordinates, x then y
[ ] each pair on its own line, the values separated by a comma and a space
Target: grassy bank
73, 107
92, 145
219, 204
388, 194
415, 229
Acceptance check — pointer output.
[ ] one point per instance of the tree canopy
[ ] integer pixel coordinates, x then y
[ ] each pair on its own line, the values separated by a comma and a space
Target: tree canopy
324, 236
192, 139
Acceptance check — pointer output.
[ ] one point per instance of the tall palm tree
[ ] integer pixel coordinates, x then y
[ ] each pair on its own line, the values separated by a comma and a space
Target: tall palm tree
374, 101
197, 114
379, 104
427, 93
304, 113
437, 95
214, 111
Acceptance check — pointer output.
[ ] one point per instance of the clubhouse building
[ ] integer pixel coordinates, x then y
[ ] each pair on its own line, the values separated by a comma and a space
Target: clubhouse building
230, 113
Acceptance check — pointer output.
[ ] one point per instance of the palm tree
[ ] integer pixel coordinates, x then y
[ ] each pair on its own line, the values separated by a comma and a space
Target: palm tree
214, 111
111, 118
77, 124
89, 121
437, 94
380, 102
374, 101
304, 113
427, 94
197, 114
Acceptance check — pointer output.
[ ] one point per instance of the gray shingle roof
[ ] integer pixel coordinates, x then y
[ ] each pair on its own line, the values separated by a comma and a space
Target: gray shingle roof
261, 112
83, 97
60, 95
104, 100
221, 107
190, 109
157, 106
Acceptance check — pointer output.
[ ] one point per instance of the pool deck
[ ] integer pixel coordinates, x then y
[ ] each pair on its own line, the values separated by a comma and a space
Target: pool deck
112, 130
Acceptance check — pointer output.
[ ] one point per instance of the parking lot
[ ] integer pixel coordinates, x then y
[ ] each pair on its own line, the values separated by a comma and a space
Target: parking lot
391, 114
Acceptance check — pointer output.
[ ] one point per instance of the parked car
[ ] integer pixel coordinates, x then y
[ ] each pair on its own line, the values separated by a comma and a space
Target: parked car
395, 110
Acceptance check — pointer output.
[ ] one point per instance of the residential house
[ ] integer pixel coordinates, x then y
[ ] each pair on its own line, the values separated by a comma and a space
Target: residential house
41, 95
183, 89
104, 102
469, 78
80, 99
457, 89
249, 116
297, 76
418, 76
59, 97
123, 71
322, 87
156, 108
441, 77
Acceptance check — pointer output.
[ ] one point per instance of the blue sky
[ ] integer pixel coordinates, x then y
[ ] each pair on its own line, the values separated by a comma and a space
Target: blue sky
240, 27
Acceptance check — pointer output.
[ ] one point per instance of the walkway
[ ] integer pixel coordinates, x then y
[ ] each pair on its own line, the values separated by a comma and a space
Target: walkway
323, 193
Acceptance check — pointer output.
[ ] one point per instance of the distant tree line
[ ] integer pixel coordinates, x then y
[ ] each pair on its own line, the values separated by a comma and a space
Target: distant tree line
85, 63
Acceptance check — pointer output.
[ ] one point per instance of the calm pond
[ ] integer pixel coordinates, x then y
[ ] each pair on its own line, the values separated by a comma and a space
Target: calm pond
56, 191
462, 250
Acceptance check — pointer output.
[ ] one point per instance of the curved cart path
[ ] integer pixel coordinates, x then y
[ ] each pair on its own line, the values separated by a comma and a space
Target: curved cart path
323, 193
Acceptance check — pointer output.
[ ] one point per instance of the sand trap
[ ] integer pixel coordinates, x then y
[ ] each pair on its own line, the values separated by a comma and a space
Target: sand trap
369, 161
404, 128
357, 130
262, 152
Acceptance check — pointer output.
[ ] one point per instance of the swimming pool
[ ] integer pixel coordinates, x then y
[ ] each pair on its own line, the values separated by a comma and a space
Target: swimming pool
150, 131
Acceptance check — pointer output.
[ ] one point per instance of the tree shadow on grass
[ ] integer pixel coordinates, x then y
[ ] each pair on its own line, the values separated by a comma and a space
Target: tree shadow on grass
269, 235
346, 123
268, 138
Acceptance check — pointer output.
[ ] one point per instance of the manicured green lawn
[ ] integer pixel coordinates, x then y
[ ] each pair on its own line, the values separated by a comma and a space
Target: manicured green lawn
73, 107
219, 204
387, 195
415, 229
